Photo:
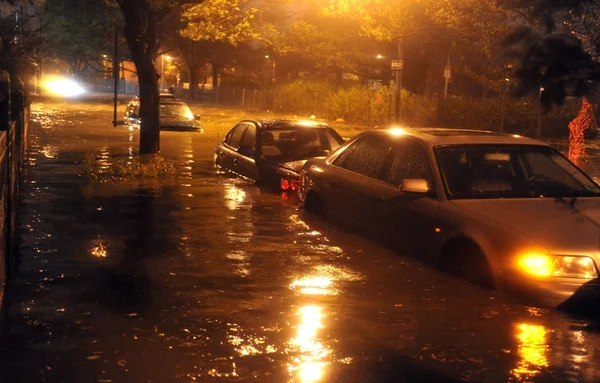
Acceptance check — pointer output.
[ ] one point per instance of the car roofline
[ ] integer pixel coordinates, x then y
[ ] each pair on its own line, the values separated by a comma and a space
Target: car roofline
456, 136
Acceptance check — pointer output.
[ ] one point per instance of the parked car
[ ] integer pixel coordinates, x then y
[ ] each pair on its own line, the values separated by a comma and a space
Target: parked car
273, 151
174, 114
502, 210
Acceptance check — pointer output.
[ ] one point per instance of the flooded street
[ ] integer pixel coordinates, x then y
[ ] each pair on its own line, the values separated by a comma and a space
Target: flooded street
197, 276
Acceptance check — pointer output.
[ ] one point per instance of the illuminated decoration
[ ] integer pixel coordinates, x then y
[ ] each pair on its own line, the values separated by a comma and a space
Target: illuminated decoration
532, 351
585, 120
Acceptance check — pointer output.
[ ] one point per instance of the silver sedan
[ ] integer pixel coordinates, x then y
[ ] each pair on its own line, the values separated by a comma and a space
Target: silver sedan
502, 210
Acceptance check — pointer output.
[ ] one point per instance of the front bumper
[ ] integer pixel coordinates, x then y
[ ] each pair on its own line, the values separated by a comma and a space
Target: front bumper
551, 292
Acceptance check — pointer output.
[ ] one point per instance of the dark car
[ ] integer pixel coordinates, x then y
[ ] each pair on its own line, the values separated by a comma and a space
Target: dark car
503, 210
273, 152
174, 114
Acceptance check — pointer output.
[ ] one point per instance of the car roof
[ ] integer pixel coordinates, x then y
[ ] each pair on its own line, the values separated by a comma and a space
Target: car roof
445, 136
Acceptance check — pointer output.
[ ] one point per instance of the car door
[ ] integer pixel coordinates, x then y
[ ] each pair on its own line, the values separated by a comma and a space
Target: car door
409, 218
227, 155
355, 187
245, 162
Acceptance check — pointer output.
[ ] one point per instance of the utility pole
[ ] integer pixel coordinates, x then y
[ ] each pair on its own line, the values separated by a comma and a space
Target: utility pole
539, 118
116, 75
399, 67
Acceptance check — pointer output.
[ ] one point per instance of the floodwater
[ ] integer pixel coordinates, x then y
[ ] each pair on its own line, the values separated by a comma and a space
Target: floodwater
198, 277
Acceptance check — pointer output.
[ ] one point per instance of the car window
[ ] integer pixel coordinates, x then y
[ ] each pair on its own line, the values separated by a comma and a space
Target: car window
298, 142
367, 157
249, 139
510, 171
409, 161
235, 136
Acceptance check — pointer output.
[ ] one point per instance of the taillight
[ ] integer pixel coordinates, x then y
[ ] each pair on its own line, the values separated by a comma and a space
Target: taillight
294, 185
285, 184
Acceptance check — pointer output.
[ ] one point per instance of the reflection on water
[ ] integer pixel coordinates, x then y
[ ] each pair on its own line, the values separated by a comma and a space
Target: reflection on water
307, 364
234, 197
242, 265
49, 151
317, 285
321, 281
98, 249
532, 350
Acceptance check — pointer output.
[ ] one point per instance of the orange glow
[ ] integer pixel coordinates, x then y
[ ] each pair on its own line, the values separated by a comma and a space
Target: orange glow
532, 350
397, 131
536, 264
99, 251
318, 285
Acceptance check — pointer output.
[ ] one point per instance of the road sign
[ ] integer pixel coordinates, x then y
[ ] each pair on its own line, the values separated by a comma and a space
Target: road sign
397, 64
447, 71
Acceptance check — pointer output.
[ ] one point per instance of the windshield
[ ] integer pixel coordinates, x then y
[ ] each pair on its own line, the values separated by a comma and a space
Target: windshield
298, 142
510, 171
176, 110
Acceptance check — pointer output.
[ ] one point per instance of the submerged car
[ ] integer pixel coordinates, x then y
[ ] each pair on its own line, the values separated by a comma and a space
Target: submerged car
273, 151
502, 210
174, 115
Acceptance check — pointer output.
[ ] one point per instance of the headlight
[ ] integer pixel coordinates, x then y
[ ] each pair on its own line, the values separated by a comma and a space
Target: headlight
542, 265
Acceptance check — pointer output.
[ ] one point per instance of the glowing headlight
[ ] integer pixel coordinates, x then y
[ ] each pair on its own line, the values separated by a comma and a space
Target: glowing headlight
558, 266
63, 87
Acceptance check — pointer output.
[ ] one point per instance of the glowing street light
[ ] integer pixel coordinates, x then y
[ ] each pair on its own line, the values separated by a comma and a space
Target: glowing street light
379, 57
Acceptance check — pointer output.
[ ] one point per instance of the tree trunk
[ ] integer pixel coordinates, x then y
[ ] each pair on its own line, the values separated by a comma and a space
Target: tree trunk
215, 75
141, 34
193, 81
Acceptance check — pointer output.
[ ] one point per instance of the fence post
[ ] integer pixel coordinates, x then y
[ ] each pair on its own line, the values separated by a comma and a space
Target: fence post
243, 98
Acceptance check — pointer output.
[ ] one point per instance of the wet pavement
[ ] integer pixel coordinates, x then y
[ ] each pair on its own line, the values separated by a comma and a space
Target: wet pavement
196, 276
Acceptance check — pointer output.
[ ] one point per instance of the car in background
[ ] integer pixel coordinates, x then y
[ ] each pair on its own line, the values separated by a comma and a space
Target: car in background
174, 114
502, 210
273, 151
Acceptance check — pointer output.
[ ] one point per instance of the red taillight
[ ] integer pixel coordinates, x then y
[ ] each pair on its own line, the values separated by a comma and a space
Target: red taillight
294, 185
285, 184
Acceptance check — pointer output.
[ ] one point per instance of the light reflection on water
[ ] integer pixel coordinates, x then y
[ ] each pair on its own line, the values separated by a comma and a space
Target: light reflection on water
308, 353
532, 349
234, 197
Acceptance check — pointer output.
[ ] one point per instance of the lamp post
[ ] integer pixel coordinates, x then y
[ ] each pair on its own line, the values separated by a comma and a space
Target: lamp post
539, 117
399, 67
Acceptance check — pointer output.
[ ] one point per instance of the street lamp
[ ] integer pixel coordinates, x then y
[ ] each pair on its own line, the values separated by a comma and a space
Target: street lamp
539, 119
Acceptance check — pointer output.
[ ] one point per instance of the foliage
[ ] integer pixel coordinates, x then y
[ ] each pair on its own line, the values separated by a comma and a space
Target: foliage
556, 49
121, 167
220, 20
78, 32
19, 40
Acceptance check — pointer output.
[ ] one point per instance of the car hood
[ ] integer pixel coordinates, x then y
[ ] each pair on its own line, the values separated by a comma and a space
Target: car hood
562, 226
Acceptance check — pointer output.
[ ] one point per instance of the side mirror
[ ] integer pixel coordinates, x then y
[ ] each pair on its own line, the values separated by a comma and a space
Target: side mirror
414, 185
246, 151
197, 116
